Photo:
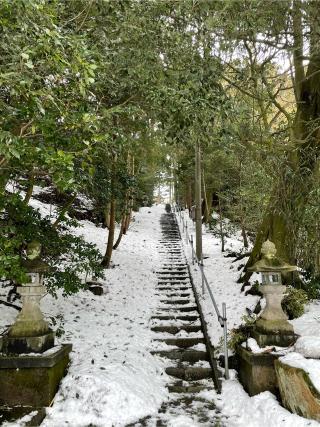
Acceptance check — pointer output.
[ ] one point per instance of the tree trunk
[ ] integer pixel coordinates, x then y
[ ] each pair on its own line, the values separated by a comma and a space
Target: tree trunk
106, 214
64, 210
287, 206
244, 236
207, 208
221, 227
29, 188
107, 257
198, 201
130, 203
189, 195
123, 224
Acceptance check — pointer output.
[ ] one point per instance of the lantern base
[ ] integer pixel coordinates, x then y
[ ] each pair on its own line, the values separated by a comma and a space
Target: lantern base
256, 371
31, 380
21, 345
274, 332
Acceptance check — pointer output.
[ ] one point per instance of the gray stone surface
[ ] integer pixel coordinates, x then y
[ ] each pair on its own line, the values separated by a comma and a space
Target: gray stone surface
257, 372
32, 380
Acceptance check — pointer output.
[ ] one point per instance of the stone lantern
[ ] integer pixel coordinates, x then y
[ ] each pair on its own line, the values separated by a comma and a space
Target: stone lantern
30, 333
29, 381
272, 327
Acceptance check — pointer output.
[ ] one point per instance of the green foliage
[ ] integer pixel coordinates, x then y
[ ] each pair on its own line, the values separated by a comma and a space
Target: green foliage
238, 335
312, 288
69, 257
100, 98
294, 301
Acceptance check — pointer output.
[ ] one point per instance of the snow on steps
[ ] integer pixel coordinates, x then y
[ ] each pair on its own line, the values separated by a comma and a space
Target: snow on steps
177, 324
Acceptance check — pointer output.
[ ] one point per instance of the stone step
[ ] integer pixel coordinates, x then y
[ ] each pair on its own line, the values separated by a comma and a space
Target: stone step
176, 329
178, 263
190, 388
181, 342
171, 251
170, 295
170, 268
176, 301
173, 288
175, 281
191, 356
189, 318
181, 309
190, 373
173, 272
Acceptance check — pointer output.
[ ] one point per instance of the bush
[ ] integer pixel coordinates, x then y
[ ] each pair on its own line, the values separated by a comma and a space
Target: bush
240, 334
312, 288
69, 257
294, 301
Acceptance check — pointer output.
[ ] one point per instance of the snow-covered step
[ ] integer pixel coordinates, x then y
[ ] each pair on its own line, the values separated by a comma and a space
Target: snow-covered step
178, 336
181, 309
175, 329
182, 342
190, 318
191, 356
190, 373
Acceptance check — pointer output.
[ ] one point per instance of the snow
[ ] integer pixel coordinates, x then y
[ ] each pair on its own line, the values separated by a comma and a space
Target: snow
222, 277
308, 346
311, 366
113, 380
252, 345
309, 323
262, 410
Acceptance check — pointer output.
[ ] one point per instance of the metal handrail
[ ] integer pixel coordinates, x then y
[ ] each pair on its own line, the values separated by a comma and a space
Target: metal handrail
222, 319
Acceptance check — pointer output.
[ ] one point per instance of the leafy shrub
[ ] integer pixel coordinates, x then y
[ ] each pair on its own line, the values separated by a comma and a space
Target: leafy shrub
68, 256
241, 333
294, 301
312, 288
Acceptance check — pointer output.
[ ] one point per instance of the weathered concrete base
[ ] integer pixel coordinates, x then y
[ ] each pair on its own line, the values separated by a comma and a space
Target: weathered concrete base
256, 371
32, 380
297, 391
273, 332
33, 344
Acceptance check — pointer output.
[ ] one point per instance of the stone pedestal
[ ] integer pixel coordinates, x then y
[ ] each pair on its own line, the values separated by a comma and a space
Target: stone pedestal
32, 381
273, 328
257, 372
30, 333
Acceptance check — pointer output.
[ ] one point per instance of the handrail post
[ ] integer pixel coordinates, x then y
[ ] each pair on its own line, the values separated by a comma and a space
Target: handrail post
192, 250
225, 341
187, 232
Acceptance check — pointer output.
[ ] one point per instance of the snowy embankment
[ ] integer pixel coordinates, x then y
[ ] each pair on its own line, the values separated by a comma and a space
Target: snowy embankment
113, 379
236, 406
222, 275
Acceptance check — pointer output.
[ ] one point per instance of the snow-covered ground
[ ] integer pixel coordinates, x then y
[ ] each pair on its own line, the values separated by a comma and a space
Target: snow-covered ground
262, 410
113, 380
222, 275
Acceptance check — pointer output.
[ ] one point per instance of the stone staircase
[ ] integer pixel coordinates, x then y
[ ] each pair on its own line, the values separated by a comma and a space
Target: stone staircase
179, 340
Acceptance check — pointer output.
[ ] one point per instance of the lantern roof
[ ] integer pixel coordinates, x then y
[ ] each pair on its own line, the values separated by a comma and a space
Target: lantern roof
35, 266
270, 262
